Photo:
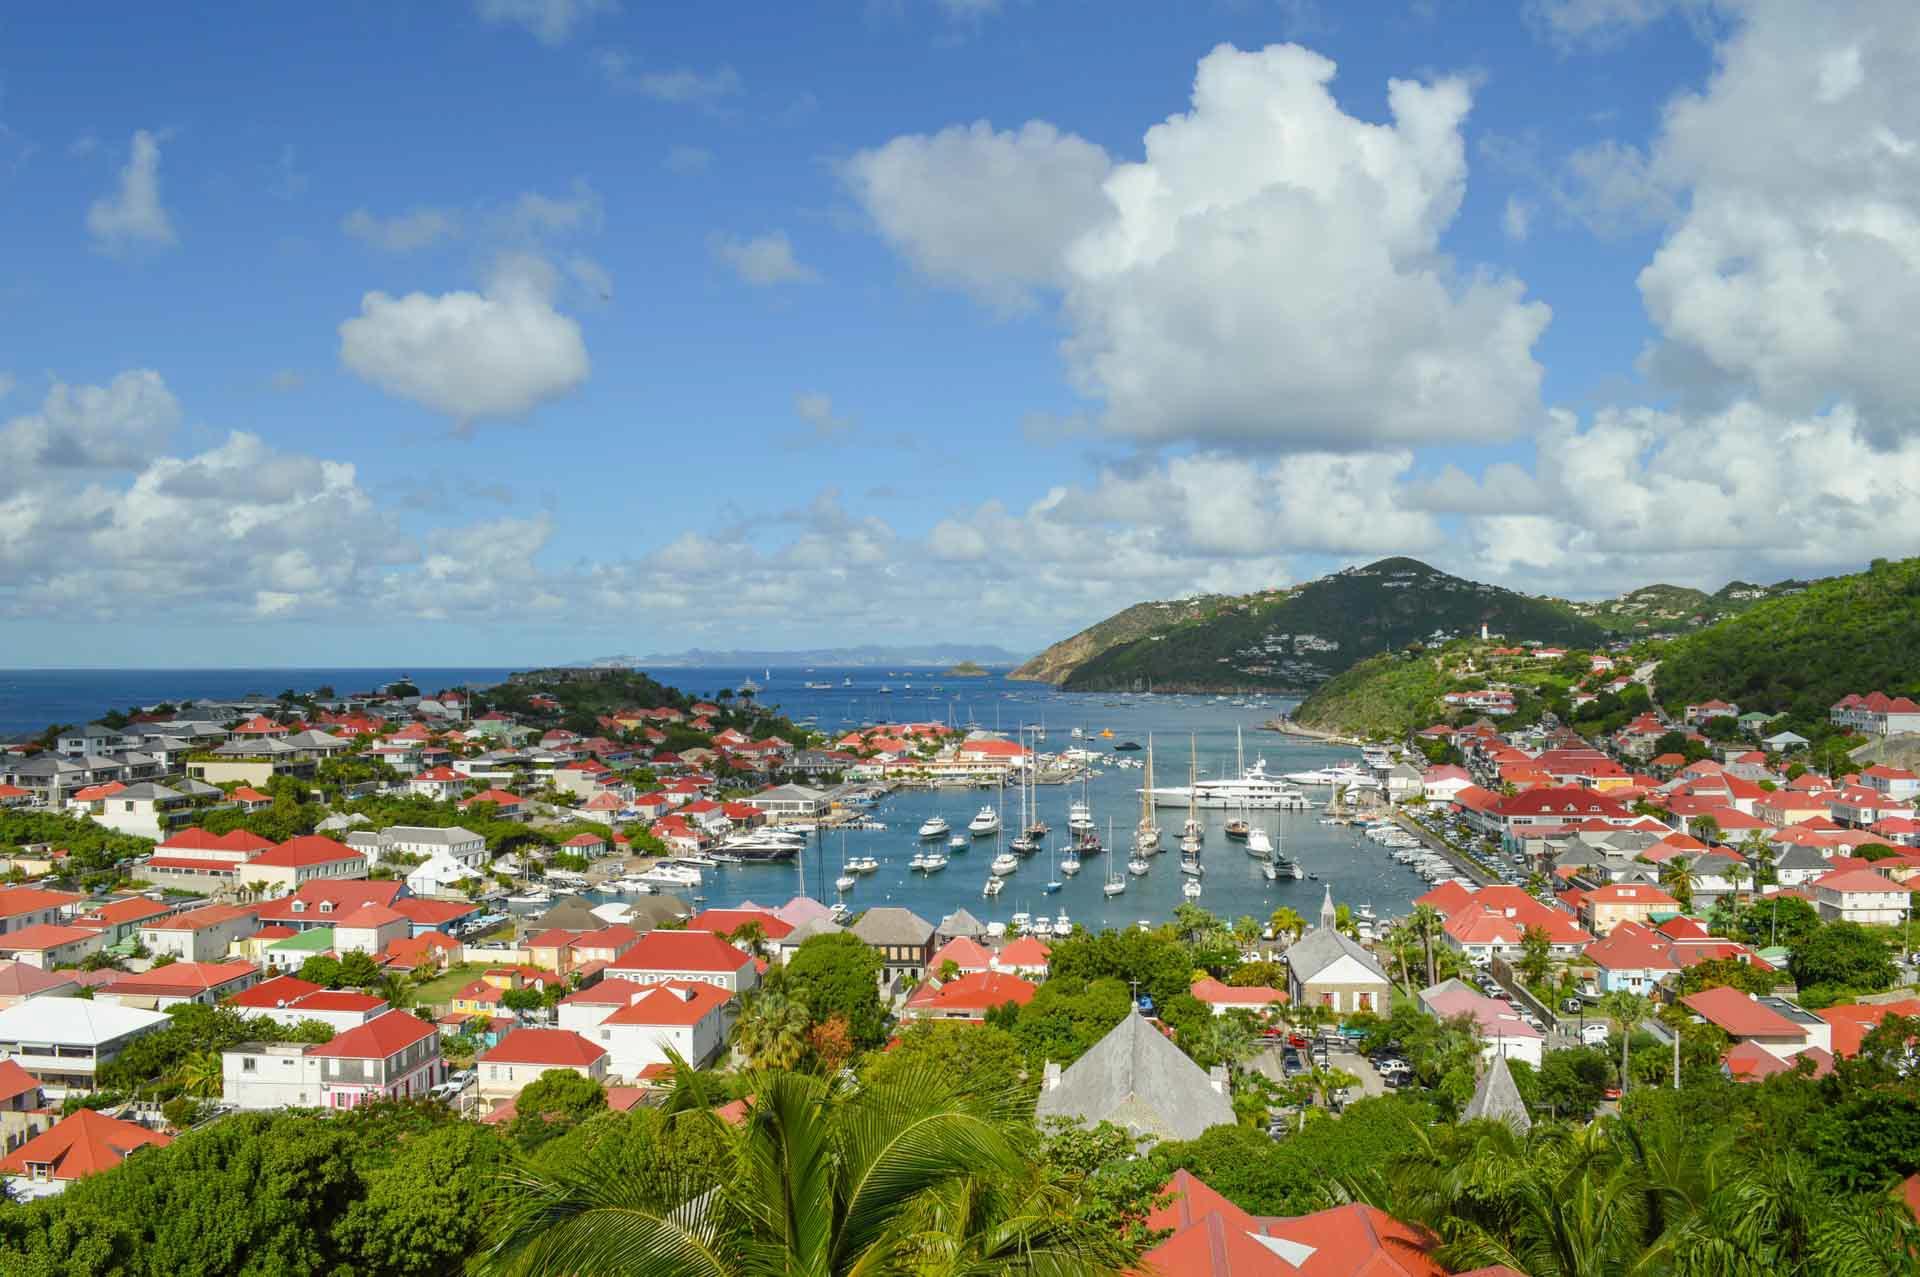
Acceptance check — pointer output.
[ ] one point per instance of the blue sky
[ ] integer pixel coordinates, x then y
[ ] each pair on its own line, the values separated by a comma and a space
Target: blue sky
553, 328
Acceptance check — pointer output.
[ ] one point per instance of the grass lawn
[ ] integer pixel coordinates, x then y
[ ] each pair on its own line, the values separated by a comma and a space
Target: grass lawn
443, 986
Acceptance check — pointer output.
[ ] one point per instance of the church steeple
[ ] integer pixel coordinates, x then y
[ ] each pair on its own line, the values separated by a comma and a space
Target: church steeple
1327, 914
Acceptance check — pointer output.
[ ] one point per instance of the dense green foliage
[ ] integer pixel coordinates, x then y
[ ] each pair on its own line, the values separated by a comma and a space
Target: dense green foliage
1365, 611
1385, 695
93, 847
388, 1189
837, 975
1802, 652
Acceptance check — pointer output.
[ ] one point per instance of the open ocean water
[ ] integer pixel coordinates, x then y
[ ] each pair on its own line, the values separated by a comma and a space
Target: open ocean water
1358, 870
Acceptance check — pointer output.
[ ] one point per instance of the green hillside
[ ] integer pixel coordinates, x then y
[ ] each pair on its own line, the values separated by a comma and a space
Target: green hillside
1297, 639
1061, 659
1807, 646
1674, 609
1383, 696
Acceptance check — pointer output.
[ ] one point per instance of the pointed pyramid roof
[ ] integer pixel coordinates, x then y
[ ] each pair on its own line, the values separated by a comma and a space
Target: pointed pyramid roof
1137, 1079
1327, 913
1497, 1099
961, 923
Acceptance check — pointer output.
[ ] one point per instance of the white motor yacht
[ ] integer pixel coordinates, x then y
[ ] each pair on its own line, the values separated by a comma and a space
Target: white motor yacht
1139, 866
668, 874
844, 882
1190, 888
1004, 864
1191, 867
934, 827
993, 888
958, 842
1062, 925
1021, 921
1259, 845
862, 865
1268, 872
985, 824
932, 862
1080, 818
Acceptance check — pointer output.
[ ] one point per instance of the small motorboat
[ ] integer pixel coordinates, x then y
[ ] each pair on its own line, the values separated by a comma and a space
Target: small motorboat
845, 882
994, 887
959, 842
1139, 866
1190, 888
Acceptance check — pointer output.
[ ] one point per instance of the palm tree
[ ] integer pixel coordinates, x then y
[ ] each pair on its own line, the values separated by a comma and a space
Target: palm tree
1678, 877
393, 987
1287, 921
828, 1178
1626, 1010
772, 1032
200, 1074
1426, 920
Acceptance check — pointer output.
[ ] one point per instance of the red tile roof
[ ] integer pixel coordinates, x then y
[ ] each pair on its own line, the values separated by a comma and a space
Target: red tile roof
15, 1081
305, 851
724, 922
681, 951
672, 1002
197, 839
1214, 993
84, 1142
378, 1038
180, 978
277, 992
560, 1048
43, 935
1848, 1026
1740, 1015
432, 913
206, 916
975, 993
15, 901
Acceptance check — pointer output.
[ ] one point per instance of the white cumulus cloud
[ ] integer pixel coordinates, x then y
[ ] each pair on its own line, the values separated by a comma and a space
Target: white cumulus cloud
492, 355
112, 427
1795, 272
1271, 273
988, 212
133, 214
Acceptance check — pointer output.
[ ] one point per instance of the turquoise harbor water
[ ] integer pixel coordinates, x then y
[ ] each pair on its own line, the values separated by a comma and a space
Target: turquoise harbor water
1358, 870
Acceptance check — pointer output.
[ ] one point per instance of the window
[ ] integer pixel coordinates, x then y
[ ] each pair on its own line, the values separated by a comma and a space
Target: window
246, 1064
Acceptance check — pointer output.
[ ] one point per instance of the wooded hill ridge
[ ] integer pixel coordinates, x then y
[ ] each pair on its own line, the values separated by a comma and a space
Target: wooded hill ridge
1296, 638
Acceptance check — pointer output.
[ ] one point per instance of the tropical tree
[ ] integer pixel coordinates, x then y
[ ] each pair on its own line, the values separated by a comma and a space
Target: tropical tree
1626, 1010
1427, 923
828, 1178
1536, 954
1286, 921
772, 1031
200, 1074
1678, 877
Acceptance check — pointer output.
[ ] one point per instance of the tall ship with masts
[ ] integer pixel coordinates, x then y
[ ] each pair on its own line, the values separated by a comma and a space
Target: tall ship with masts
1146, 836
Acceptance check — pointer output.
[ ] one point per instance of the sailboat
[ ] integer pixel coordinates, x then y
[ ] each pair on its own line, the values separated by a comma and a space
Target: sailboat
1023, 843
1146, 835
846, 880
1039, 828
1239, 827
1115, 883
1053, 876
1070, 864
1190, 833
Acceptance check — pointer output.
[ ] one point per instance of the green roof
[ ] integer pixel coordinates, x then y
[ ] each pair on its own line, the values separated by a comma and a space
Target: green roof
318, 940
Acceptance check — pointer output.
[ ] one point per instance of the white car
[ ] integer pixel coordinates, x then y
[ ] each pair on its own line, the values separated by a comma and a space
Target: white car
1594, 1034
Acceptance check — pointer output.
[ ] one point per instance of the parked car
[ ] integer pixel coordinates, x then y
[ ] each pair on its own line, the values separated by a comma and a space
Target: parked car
1594, 1034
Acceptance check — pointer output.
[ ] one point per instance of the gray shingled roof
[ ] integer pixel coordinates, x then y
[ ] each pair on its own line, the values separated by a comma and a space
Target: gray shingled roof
961, 923
1320, 949
889, 924
1135, 1078
1497, 1099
